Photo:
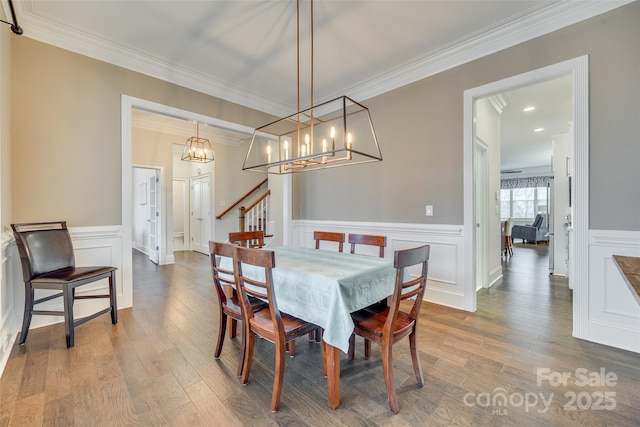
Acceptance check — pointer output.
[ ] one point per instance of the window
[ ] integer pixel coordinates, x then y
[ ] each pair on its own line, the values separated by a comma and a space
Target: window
523, 203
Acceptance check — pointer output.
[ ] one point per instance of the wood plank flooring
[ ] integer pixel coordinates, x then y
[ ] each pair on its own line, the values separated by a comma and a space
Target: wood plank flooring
156, 367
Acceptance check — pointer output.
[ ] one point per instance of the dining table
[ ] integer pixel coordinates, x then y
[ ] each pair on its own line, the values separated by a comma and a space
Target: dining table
324, 287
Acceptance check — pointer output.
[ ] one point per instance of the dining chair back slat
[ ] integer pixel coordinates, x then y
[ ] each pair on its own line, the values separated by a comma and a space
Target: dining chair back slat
252, 239
368, 239
329, 236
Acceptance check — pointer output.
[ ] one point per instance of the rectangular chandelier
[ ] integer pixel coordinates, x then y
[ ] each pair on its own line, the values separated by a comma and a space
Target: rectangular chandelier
336, 133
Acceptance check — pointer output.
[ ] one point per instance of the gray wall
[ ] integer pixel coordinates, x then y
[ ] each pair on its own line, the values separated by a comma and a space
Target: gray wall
66, 137
65, 133
420, 129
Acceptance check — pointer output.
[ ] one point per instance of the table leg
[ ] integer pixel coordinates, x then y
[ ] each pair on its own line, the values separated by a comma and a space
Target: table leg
333, 375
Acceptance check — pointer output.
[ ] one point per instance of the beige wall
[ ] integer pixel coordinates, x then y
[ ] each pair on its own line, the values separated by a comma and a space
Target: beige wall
5, 128
66, 139
420, 129
66, 133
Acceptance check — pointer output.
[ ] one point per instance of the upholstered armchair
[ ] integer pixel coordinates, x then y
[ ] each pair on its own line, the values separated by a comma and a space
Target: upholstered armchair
536, 232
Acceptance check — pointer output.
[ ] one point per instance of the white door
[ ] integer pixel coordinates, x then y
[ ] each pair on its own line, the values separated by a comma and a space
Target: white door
154, 218
200, 222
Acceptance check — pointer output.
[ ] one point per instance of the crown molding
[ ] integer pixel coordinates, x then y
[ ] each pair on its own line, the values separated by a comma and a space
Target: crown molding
548, 19
544, 21
499, 101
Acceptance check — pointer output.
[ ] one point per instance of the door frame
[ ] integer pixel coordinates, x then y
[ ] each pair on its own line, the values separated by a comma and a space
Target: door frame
481, 172
128, 103
579, 69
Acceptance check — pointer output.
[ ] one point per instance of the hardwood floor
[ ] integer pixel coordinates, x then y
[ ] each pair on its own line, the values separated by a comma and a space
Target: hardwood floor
156, 367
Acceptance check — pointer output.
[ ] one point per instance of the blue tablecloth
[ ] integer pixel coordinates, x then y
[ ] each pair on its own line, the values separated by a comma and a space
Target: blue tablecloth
324, 287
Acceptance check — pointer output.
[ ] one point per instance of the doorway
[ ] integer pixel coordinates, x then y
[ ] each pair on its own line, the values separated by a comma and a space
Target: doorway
579, 164
200, 213
146, 215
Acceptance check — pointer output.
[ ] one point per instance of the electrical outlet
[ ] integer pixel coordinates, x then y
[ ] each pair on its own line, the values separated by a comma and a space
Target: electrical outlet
429, 210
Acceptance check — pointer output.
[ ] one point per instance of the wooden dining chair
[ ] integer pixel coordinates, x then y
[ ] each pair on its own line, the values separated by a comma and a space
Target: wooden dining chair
328, 236
392, 324
507, 250
269, 323
369, 240
252, 239
228, 306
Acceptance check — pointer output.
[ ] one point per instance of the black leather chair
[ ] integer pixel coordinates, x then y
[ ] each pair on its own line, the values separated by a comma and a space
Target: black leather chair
48, 262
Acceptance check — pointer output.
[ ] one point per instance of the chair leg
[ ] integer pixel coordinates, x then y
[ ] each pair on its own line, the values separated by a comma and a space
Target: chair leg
291, 348
324, 358
28, 312
278, 376
222, 329
242, 352
113, 298
248, 355
417, 369
367, 348
67, 297
387, 370
234, 328
352, 347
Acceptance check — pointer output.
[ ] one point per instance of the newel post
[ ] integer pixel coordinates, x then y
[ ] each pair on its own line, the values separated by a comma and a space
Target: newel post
241, 218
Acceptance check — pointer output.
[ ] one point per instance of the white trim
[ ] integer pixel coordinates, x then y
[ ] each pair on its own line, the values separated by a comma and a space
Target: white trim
579, 68
444, 285
546, 20
614, 312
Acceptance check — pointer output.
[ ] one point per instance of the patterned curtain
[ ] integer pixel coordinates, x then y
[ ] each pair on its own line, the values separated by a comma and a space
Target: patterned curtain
529, 182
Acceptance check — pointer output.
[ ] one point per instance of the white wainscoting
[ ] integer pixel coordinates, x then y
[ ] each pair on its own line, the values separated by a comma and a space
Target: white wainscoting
8, 325
614, 314
101, 245
445, 276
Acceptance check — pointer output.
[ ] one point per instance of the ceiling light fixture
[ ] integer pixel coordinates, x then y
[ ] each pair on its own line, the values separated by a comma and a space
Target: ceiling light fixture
17, 29
527, 109
538, 129
197, 149
331, 134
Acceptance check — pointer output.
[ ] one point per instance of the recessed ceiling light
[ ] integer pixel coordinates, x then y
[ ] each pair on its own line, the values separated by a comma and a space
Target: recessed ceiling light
538, 129
527, 109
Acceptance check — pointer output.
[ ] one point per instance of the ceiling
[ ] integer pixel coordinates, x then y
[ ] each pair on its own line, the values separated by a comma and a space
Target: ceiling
245, 51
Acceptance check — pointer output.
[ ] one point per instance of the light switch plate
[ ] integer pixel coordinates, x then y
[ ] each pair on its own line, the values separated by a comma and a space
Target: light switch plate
429, 210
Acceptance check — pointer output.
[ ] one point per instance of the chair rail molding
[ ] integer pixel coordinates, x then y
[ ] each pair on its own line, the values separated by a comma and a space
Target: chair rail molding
445, 281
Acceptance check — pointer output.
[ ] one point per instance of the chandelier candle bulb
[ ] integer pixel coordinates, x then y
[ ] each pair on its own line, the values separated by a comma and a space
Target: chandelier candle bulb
324, 149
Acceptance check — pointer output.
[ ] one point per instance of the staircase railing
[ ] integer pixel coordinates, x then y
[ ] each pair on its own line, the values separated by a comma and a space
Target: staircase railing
241, 199
256, 216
